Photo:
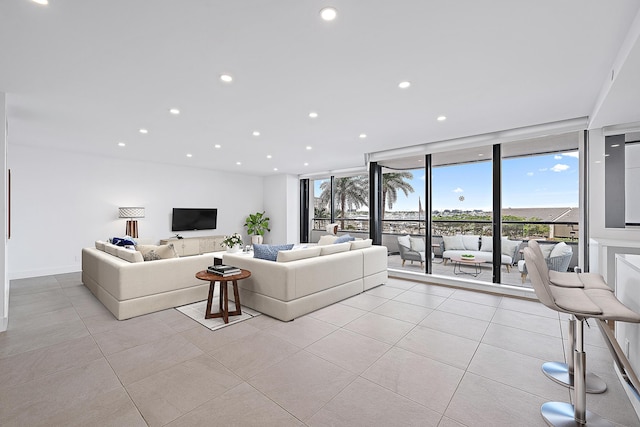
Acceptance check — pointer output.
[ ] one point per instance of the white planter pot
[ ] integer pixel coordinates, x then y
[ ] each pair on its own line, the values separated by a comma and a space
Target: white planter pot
257, 239
232, 249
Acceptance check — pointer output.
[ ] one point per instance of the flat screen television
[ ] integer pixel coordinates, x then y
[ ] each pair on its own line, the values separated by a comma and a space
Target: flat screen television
185, 219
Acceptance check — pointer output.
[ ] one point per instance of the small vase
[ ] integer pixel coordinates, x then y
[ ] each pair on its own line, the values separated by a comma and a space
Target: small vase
233, 249
256, 239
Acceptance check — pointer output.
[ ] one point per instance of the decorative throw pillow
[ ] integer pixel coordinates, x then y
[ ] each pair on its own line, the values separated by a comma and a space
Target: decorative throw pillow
326, 240
123, 241
471, 242
487, 244
344, 238
405, 241
417, 244
270, 252
453, 243
561, 249
157, 252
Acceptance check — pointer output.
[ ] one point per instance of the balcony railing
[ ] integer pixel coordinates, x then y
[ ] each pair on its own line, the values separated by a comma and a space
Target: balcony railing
512, 229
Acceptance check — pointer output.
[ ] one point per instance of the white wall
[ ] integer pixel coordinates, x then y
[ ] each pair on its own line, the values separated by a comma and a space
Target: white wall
282, 205
609, 240
63, 201
4, 294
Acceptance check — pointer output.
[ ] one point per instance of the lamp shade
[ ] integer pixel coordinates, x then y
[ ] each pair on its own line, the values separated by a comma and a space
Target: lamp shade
332, 228
129, 212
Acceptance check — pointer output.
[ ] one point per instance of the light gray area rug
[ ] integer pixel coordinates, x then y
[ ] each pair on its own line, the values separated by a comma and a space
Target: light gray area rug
197, 309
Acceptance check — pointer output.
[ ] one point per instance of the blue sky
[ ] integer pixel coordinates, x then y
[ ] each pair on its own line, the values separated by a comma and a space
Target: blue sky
549, 180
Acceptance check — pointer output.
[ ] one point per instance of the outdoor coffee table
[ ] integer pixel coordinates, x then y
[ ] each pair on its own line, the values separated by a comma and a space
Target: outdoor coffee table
224, 293
458, 262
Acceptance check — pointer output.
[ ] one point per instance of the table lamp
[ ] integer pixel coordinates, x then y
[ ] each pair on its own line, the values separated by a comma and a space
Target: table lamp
132, 224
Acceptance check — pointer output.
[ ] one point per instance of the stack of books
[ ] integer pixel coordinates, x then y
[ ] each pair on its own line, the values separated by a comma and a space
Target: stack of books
223, 270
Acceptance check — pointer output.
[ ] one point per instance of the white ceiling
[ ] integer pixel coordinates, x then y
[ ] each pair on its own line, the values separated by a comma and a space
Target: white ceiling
83, 75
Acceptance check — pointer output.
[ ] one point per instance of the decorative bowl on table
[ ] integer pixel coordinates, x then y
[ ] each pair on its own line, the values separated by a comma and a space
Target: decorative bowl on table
467, 257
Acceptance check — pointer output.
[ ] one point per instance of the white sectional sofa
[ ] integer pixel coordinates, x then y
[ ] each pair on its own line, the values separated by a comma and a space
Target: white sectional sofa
128, 286
481, 247
303, 280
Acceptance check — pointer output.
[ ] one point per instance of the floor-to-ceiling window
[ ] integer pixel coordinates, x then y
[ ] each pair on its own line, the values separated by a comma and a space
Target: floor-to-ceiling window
514, 191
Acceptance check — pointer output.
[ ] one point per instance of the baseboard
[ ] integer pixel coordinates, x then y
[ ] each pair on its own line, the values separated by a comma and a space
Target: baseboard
4, 324
44, 272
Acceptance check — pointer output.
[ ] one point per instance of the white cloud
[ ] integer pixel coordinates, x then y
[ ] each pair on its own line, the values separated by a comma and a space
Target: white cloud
422, 178
557, 157
572, 154
543, 169
560, 167
529, 173
458, 190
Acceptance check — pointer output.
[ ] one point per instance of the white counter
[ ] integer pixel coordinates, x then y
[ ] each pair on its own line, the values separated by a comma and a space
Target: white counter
627, 288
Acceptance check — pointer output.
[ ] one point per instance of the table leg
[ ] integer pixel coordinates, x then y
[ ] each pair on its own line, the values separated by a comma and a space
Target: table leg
225, 310
207, 314
236, 297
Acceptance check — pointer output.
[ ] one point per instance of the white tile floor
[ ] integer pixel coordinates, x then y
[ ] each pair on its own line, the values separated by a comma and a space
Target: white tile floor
401, 354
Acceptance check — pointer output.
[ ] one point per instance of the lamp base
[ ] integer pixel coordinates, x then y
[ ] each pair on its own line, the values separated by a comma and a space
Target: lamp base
132, 228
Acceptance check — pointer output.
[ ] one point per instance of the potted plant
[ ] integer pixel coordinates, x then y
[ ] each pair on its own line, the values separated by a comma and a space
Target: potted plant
233, 243
257, 224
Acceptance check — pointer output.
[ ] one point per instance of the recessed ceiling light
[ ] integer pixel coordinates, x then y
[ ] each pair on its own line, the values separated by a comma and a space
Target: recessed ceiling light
597, 161
256, 133
121, 144
238, 163
308, 147
328, 13
143, 131
42, 2
441, 118
480, 155
217, 146
313, 114
275, 169
189, 155
404, 85
363, 135
226, 78
607, 155
268, 156
306, 164
174, 111
615, 145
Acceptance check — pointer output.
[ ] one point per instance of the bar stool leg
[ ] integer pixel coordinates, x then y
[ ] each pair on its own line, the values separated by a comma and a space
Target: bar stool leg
562, 373
562, 414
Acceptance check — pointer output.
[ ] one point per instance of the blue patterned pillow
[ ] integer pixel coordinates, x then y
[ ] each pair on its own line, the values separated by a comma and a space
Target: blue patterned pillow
269, 252
344, 238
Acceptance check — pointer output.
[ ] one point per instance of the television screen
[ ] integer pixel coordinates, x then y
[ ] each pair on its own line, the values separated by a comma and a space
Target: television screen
185, 219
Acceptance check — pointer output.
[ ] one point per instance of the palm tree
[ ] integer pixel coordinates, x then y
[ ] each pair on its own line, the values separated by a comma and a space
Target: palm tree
350, 193
391, 183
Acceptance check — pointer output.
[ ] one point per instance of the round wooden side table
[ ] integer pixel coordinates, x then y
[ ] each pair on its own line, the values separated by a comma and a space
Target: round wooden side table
212, 278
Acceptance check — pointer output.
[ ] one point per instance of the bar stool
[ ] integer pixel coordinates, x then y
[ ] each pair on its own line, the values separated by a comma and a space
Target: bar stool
560, 372
582, 303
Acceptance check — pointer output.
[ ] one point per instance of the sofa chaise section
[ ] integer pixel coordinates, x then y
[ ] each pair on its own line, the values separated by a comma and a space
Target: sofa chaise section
129, 289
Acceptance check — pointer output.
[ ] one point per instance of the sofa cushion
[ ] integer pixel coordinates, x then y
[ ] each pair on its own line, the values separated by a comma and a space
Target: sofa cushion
130, 255
453, 243
509, 247
100, 245
405, 241
344, 238
270, 252
487, 244
561, 249
471, 242
327, 239
289, 255
157, 252
110, 248
335, 248
417, 244
546, 250
359, 244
